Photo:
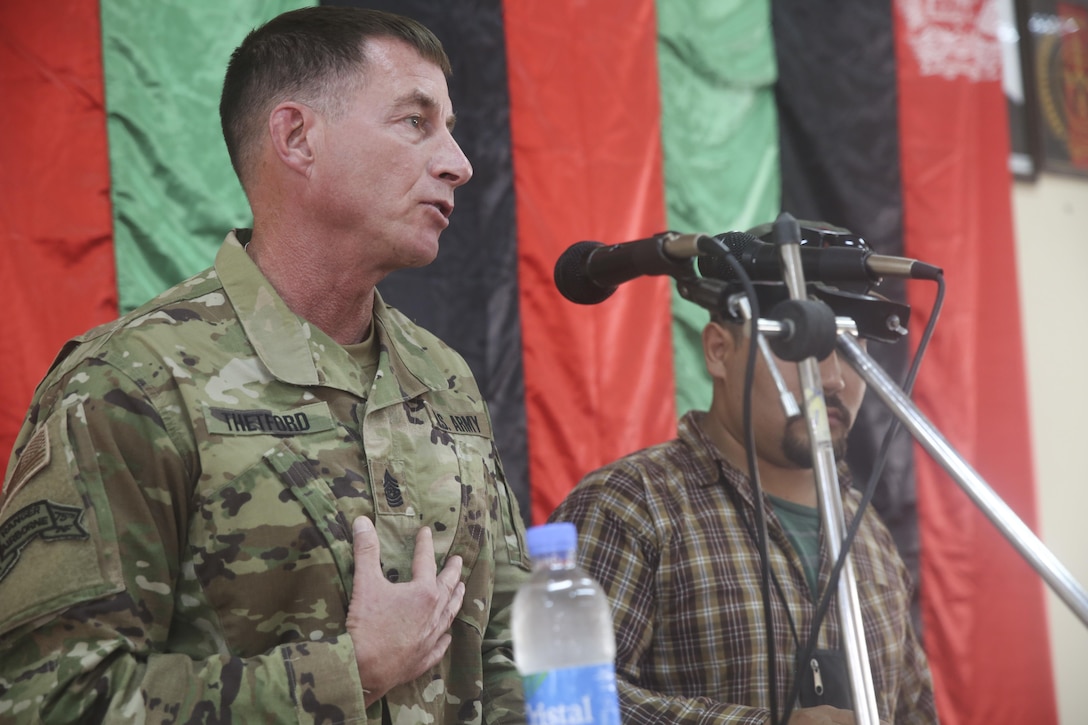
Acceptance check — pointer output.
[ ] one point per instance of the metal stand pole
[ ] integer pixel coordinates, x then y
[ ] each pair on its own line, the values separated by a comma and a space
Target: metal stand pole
830, 502
833, 522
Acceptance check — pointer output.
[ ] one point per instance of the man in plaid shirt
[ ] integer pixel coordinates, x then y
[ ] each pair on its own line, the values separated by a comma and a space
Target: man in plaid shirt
670, 534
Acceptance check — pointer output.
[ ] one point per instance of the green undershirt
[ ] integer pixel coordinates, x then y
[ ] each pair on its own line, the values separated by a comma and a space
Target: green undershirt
365, 355
802, 525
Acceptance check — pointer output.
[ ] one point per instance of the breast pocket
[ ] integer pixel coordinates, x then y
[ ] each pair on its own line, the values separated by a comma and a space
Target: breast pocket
271, 551
424, 475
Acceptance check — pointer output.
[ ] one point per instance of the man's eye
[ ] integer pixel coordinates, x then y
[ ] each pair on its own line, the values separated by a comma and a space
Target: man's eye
416, 121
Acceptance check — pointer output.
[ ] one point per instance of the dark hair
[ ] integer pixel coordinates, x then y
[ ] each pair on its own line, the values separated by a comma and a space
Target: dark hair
311, 54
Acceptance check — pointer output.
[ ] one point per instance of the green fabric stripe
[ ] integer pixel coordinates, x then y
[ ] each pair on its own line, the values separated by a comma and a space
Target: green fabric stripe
173, 191
720, 136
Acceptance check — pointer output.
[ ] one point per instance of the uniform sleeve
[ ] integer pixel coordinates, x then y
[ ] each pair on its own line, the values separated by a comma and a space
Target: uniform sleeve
503, 698
618, 547
91, 531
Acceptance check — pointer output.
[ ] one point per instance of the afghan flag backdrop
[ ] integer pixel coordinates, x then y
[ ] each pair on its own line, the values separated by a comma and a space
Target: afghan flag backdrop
608, 120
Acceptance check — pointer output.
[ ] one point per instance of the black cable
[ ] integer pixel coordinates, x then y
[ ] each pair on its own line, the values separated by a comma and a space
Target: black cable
717, 248
866, 498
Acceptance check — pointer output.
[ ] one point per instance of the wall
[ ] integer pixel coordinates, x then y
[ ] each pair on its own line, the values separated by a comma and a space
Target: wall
1051, 218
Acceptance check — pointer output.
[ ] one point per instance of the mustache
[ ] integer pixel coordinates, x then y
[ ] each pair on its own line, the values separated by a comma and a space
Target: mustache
834, 404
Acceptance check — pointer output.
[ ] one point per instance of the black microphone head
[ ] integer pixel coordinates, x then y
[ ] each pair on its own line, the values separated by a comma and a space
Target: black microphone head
571, 277
714, 267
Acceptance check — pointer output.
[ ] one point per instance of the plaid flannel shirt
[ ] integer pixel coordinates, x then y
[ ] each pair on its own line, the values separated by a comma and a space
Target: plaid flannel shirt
669, 534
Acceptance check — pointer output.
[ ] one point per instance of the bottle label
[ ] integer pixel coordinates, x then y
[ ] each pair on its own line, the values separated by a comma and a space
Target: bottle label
572, 696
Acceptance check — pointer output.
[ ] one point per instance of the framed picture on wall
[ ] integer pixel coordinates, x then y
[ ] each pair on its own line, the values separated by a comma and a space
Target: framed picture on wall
1017, 82
1056, 73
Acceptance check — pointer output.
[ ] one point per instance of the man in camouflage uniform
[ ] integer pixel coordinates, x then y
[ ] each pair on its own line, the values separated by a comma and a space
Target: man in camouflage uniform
265, 496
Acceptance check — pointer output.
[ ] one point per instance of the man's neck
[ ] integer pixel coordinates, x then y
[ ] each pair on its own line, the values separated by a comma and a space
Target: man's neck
800, 489
786, 482
331, 297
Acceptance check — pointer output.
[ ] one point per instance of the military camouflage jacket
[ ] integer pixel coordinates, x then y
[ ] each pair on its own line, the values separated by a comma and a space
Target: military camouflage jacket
175, 530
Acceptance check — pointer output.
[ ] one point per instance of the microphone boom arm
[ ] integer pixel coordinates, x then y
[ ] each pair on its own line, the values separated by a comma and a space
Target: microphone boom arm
996, 510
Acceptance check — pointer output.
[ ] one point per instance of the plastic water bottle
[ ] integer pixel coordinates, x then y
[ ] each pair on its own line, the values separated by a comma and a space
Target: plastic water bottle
564, 646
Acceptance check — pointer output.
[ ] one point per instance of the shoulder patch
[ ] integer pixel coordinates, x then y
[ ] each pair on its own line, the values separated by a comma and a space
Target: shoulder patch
42, 519
34, 458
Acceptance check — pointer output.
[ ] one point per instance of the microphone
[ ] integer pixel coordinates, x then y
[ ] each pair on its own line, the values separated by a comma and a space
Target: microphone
761, 261
589, 272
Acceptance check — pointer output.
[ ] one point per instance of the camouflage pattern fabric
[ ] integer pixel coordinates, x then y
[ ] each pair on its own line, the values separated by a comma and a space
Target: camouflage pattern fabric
175, 529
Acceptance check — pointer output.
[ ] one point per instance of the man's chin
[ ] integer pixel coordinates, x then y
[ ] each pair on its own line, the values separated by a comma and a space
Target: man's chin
420, 255
798, 451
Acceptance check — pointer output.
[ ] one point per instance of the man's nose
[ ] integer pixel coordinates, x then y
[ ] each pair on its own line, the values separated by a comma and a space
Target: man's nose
451, 163
831, 377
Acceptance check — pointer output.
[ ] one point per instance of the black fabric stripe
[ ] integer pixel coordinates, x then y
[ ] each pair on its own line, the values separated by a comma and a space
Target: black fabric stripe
838, 127
469, 295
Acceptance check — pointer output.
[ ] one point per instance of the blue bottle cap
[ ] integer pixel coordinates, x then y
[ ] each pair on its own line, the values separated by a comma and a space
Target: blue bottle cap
550, 539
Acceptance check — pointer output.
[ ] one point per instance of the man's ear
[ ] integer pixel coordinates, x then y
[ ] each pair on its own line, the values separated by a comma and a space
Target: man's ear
293, 127
719, 345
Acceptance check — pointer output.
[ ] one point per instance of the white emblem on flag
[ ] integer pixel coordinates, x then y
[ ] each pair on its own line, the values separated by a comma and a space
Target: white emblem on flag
954, 38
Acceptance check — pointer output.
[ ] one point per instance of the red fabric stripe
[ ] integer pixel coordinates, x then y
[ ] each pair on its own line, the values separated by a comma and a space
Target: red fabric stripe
983, 605
55, 223
585, 121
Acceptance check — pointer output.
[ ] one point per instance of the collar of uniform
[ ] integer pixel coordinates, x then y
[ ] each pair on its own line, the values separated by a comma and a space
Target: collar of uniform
282, 339
293, 350
409, 358
299, 353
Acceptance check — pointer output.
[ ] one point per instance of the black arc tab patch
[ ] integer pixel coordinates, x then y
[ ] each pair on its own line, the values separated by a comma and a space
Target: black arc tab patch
42, 519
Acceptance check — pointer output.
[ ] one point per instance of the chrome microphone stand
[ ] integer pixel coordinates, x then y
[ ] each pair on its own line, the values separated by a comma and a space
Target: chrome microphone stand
712, 296
788, 238
992, 506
